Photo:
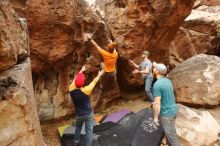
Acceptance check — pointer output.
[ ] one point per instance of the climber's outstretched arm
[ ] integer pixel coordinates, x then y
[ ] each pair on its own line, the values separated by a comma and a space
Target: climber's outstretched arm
96, 45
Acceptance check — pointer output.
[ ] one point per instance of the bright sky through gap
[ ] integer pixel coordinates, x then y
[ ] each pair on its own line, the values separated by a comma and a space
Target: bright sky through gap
90, 1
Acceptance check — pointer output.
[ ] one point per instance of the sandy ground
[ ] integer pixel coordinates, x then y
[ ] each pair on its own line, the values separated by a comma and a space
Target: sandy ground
50, 133
51, 136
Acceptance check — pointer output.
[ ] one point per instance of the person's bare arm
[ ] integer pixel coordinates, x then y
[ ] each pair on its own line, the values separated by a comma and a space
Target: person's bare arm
156, 107
141, 71
83, 69
96, 45
135, 65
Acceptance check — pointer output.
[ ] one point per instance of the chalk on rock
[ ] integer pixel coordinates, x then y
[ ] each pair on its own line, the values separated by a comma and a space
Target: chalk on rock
86, 36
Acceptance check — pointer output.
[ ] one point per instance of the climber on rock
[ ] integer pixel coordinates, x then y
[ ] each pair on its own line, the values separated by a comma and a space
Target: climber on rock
145, 69
110, 56
80, 97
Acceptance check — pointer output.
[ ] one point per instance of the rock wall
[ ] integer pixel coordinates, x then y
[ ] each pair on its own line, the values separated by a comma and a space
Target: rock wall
11, 28
58, 51
196, 81
19, 6
206, 2
198, 34
145, 25
19, 124
139, 25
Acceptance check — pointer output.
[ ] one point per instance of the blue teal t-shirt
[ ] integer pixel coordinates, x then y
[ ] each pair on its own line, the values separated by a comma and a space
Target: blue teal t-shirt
164, 88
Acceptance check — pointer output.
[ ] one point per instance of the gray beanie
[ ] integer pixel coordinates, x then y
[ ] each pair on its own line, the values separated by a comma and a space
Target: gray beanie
160, 67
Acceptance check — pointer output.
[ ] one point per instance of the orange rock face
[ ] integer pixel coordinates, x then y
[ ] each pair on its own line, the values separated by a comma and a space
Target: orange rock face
58, 49
19, 6
145, 25
142, 25
49, 26
13, 37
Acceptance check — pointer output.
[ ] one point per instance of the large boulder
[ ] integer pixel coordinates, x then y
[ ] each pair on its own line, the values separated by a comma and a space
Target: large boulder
19, 124
196, 81
13, 37
198, 34
206, 2
139, 25
196, 128
59, 50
